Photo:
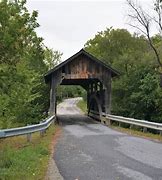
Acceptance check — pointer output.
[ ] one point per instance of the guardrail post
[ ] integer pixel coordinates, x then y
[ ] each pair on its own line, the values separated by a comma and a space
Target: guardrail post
102, 120
29, 137
42, 131
131, 126
119, 124
160, 133
109, 122
144, 129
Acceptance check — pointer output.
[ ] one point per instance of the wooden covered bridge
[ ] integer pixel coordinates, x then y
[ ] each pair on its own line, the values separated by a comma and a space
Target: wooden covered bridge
87, 71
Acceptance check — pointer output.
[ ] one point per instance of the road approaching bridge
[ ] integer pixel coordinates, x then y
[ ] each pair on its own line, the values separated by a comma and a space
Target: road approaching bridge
88, 150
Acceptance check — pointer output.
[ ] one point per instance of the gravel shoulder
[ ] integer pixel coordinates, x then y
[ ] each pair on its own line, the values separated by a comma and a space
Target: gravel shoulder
52, 170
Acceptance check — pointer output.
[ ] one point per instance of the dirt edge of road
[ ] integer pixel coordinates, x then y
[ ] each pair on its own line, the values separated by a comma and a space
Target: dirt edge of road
52, 171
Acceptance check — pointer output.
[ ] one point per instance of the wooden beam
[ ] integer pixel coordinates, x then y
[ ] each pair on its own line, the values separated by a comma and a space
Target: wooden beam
107, 85
52, 96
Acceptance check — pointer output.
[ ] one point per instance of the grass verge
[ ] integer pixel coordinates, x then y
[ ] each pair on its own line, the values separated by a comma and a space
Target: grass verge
82, 105
20, 159
138, 133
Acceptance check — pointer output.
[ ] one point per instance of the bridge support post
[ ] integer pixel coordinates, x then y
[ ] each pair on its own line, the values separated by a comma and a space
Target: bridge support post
107, 95
88, 96
52, 96
144, 129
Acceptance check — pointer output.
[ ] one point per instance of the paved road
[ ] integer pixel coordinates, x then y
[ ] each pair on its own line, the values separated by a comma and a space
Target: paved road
88, 150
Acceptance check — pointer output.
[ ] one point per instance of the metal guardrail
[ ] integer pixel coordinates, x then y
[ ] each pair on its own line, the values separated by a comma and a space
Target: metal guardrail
42, 126
107, 118
137, 122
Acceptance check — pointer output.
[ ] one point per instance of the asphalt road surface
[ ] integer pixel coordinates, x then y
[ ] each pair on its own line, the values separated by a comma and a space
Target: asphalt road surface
88, 150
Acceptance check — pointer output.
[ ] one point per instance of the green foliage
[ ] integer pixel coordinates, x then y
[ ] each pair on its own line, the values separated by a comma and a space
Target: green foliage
52, 58
136, 93
23, 94
115, 46
6, 161
82, 104
69, 92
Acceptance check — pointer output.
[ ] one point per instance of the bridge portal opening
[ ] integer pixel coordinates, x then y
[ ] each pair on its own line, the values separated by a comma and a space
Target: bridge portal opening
68, 100
70, 91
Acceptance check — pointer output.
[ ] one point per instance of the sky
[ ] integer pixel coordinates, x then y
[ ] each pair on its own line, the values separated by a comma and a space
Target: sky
67, 25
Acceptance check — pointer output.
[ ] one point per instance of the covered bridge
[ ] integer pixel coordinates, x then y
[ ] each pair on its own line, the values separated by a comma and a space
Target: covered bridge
87, 71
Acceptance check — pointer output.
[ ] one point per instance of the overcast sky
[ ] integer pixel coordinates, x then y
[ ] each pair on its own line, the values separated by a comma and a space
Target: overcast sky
67, 25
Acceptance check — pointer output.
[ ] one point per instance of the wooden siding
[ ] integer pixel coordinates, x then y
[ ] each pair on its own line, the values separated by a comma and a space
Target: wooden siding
84, 68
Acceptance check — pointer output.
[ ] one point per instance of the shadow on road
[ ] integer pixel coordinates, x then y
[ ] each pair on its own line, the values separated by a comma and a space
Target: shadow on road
74, 120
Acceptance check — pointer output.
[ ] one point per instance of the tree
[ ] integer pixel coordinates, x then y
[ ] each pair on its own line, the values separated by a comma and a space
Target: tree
118, 48
23, 93
136, 92
142, 20
52, 58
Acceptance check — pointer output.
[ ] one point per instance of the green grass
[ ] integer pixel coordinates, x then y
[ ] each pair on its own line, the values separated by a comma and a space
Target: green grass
82, 105
136, 132
20, 159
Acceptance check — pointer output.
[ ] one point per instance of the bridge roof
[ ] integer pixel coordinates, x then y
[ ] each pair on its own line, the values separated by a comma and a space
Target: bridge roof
85, 53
